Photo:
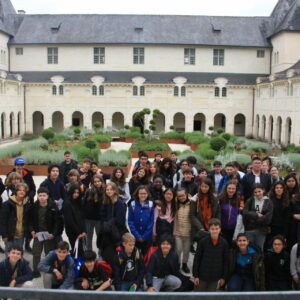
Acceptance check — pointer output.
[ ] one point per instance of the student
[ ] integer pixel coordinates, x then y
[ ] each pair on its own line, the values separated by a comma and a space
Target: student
217, 174
58, 268
257, 216
118, 177
141, 218
74, 178
156, 189
91, 275
86, 173
229, 168
292, 185
203, 173
211, 260
178, 176
235, 177
67, 165
128, 266
175, 161
10, 183
163, 268
164, 215
141, 163
141, 177
153, 170
295, 266
294, 233
14, 218
188, 183
274, 172
158, 159
246, 267
167, 171
44, 219
237, 168
230, 209
95, 170
182, 228
192, 161
15, 270
277, 266
92, 203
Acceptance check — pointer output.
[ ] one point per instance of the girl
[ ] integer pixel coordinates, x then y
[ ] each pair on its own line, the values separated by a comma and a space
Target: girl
153, 170
292, 185
10, 183
203, 173
118, 177
113, 212
274, 174
230, 209
182, 227
73, 217
164, 215
277, 266
140, 178
294, 232
204, 208
257, 216
156, 189
246, 267
167, 171
92, 203
141, 218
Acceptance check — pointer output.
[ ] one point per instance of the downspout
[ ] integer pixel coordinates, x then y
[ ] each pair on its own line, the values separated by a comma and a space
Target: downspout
253, 107
24, 104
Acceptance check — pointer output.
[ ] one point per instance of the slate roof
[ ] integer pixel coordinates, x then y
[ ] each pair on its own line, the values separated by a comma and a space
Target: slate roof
7, 11
151, 77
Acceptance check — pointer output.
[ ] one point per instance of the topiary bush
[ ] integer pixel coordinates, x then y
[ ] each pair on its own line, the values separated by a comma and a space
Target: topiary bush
48, 133
90, 143
220, 130
226, 136
205, 151
102, 138
217, 143
83, 152
133, 134
29, 137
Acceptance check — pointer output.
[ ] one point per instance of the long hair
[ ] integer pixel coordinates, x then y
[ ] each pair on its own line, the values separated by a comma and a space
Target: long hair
210, 194
169, 170
70, 193
164, 203
136, 192
223, 197
295, 190
94, 194
11, 176
285, 196
107, 200
118, 181
144, 180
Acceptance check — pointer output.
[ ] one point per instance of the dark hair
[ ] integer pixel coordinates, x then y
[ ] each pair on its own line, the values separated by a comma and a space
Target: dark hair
217, 163
280, 238
94, 163
160, 177
67, 152
202, 170
258, 186
52, 166
235, 174
211, 190
174, 152
121, 182
267, 158
166, 238
189, 171
242, 234
43, 190
214, 222
236, 165
163, 170
255, 158
295, 190
15, 246
164, 203
223, 197
87, 160
158, 154
229, 164
182, 161
143, 154
186, 195
141, 187
144, 180
284, 198
93, 194
89, 255
63, 245
72, 189
191, 160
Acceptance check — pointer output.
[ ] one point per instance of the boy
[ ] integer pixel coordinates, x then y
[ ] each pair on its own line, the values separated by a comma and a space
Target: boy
163, 268
86, 173
142, 162
187, 183
217, 174
178, 176
58, 268
128, 266
210, 265
44, 227
15, 270
175, 161
229, 169
91, 274
157, 158
67, 165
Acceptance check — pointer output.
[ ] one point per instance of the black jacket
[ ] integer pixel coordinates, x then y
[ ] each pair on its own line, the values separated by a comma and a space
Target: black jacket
52, 218
64, 169
8, 218
56, 189
161, 267
190, 186
211, 261
92, 209
211, 176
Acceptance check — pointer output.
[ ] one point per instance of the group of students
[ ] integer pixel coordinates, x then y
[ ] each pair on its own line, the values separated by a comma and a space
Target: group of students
245, 224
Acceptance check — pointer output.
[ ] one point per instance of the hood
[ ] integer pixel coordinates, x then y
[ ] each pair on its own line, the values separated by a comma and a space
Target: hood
14, 199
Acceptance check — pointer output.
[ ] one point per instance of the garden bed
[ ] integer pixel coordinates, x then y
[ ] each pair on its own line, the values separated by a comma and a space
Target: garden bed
104, 145
108, 170
38, 170
151, 154
193, 146
173, 141
130, 139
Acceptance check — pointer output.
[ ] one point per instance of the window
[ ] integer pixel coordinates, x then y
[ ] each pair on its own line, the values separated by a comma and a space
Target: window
176, 91
99, 55
54, 90
19, 51
218, 57
94, 90
142, 91
52, 55
183, 91
189, 56
224, 92
260, 53
61, 89
138, 55
135, 90
217, 92
101, 90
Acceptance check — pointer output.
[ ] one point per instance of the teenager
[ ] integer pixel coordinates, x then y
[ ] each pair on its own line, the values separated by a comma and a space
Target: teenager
217, 174
292, 185
118, 177
175, 161
156, 189
246, 267
229, 169
67, 165
96, 170
294, 230
188, 183
257, 216
210, 265
10, 183
128, 266
202, 173
295, 266
74, 178
163, 268
153, 170
44, 227
157, 159
192, 161
58, 268
178, 176
141, 177
143, 162
141, 218
274, 172
85, 172
92, 202
167, 171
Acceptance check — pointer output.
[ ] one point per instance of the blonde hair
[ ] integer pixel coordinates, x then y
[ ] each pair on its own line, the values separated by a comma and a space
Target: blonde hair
11, 176
107, 200
21, 184
128, 238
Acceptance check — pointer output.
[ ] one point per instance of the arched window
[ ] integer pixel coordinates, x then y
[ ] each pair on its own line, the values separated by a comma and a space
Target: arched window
135, 90
217, 92
101, 90
61, 89
176, 91
224, 92
183, 91
142, 91
54, 90
94, 90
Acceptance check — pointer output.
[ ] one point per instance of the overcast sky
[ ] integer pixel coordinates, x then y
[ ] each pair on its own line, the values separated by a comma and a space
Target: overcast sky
178, 7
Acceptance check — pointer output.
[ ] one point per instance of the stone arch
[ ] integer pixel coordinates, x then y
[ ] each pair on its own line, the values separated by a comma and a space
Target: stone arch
58, 121
239, 125
3, 125
138, 122
263, 127
271, 129
288, 131
160, 123
11, 124
199, 122
37, 122
278, 130
19, 123
220, 121
118, 120
179, 122
77, 119
98, 117
256, 126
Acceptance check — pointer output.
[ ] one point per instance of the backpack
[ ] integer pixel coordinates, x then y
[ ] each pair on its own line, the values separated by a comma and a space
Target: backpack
106, 267
150, 205
147, 257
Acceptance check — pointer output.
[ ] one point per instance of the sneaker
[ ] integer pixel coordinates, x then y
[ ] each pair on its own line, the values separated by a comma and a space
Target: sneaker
185, 268
36, 274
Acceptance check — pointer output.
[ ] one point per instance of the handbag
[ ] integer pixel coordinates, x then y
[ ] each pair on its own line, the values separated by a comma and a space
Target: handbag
239, 227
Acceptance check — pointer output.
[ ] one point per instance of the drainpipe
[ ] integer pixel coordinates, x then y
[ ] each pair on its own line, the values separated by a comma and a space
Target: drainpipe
24, 108
253, 107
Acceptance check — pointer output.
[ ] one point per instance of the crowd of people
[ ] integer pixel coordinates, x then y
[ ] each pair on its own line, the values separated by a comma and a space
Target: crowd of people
241, 225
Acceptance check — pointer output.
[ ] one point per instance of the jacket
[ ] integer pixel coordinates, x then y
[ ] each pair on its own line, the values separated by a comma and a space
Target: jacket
255, 270
251, 219
190, 186
48, 264
161, 267
295, 262
92, 209
8, 218
56, 189
141, 219
211, 176
64, 169
24, 272
229, 215
223, 182
52, 218
182, 224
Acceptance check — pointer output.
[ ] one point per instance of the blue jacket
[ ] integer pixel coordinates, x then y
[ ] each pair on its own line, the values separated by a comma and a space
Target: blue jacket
141, 219
223, 182
24, 273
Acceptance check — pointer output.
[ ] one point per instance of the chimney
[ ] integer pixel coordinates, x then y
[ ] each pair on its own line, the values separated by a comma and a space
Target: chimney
21, 12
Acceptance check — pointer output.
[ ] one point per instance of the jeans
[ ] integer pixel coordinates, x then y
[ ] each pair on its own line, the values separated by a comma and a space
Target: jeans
238, 283
168, 283
90, 226
256, 238
19, 241
183, 245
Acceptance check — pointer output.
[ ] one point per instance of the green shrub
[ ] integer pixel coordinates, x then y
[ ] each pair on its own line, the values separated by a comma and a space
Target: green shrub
40, 157
197, 139
220, 130
133, 134
184, 155
242, 159
29, 137
97, 125
256, 146
226, 136
205, 151
90, 143
156, 145
135, 129
217, 143
48, 134
77, 130
83, 152
171, 135
294, 158
102, 138
112, 158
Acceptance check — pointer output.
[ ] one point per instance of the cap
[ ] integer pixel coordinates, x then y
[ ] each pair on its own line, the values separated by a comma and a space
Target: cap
19, 161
